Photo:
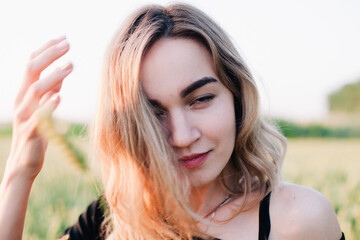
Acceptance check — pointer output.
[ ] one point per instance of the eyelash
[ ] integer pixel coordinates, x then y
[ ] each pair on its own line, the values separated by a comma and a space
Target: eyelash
202, 100
161, 114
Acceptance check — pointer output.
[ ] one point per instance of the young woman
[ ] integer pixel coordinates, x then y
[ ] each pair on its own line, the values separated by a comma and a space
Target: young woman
184, 151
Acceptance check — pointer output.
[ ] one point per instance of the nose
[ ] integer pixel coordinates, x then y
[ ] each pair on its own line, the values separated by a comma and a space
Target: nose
183, 130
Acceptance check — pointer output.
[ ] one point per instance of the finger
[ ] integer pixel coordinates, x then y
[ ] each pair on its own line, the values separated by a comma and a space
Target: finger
39, 63
57, 87
45, 58
38, 122
39, 89
49, 105
47, 95
47, 45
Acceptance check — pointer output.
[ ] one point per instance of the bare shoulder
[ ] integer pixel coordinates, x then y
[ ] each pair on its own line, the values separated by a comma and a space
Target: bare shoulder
299, 212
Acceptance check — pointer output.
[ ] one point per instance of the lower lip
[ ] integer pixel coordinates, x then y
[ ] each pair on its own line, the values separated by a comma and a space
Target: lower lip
195, 162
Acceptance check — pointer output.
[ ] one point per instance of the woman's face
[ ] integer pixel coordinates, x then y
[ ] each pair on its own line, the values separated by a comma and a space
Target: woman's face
194, 107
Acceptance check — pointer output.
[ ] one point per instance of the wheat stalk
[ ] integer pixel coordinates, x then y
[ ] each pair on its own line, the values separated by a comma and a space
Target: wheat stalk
76, 157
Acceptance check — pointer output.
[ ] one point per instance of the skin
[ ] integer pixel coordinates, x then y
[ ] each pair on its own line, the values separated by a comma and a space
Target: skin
37, 96
195, 125
298, 212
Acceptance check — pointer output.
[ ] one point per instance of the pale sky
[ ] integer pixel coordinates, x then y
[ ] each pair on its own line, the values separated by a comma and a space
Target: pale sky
299, 50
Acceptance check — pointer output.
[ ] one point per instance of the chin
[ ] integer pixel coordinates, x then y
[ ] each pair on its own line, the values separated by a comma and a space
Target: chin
202, 179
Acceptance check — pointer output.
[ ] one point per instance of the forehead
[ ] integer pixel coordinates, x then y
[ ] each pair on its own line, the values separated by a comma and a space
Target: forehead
171, 64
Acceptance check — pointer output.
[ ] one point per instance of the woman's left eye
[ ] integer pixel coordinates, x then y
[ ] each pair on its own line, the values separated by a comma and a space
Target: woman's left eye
202, 100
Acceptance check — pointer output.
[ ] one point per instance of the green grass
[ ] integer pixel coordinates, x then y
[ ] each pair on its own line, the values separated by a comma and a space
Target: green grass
5, 130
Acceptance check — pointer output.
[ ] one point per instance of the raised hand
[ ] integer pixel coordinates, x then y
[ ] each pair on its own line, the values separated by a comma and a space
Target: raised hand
38, 97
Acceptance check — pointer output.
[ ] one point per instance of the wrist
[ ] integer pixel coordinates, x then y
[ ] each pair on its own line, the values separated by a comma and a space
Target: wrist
14, 195
18, 173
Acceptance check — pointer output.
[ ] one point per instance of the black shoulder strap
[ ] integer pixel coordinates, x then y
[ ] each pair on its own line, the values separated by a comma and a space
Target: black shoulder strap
264, 218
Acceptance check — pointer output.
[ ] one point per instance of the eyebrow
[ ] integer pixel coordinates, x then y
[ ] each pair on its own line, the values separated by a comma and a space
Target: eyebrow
195, 85
155, 104
189, 89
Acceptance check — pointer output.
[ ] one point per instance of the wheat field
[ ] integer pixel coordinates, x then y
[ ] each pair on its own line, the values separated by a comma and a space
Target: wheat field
332, 167
61, 192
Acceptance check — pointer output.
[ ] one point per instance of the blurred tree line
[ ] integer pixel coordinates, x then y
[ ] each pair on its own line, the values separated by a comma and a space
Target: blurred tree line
346, 99
294, 130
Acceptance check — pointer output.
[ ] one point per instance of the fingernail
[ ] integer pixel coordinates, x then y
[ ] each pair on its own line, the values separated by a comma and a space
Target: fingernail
63, 45
55, 97
68, 67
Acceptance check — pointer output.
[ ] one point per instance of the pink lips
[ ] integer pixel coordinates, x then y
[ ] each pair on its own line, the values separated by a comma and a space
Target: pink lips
194, 160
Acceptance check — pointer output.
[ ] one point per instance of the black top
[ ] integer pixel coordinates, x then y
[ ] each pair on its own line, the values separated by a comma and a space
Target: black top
89, 223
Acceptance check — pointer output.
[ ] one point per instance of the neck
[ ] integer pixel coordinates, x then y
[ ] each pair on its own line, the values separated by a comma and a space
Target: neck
205, 198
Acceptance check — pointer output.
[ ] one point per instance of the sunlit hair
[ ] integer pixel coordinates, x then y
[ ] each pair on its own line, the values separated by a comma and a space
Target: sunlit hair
146, 193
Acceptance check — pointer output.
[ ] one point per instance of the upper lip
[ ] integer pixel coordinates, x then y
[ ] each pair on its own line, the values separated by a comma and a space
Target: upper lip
192, 156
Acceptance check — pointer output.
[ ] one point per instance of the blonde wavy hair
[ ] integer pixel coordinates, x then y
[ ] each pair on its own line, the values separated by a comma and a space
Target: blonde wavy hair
146, 194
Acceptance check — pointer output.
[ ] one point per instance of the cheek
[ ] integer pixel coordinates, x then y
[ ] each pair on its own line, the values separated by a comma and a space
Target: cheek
219, 124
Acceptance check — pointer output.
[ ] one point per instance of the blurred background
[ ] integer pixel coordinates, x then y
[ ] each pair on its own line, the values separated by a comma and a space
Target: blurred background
305, 56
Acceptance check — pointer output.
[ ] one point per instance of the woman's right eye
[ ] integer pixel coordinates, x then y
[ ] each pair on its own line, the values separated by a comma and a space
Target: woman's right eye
160, 114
